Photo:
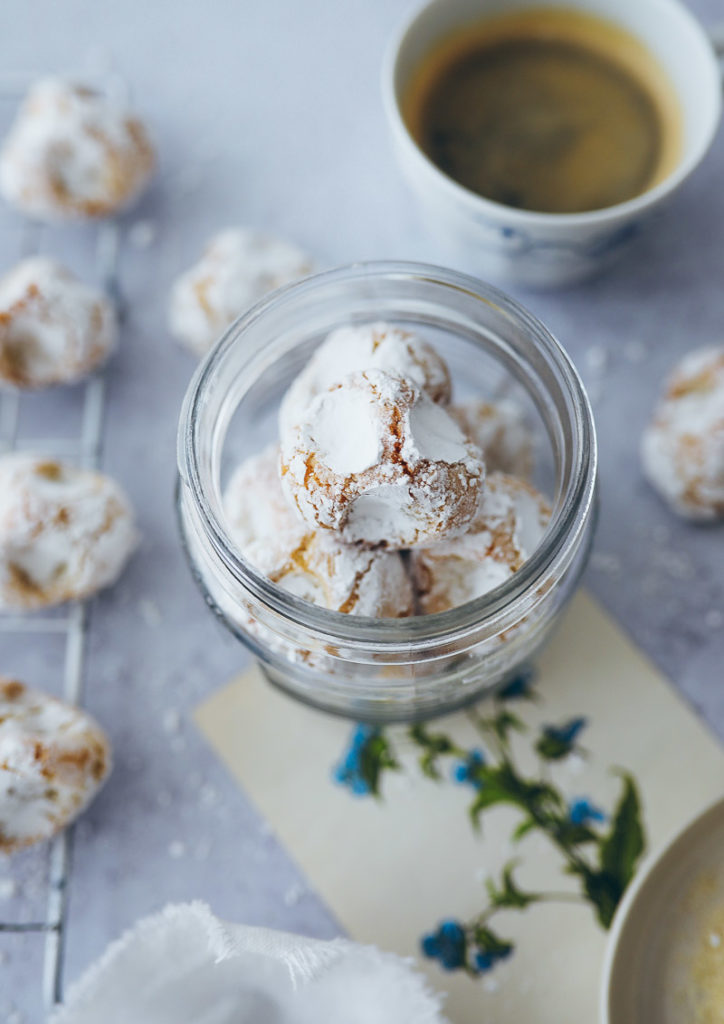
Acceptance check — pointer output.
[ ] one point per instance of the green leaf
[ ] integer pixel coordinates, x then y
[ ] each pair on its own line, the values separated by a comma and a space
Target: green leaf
434, 746
504, 722
619, 852
621, 849
526, 826
487, 941
570, 834
376, 757
558, 741
604, 892
509, 895
500, 784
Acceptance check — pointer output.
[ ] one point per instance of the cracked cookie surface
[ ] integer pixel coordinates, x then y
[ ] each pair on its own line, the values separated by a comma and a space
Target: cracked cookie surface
72, 153
54, 329
682, 449
53, 760
65, 532
380, 463
311, 564
377, 346
238, 267
507, 528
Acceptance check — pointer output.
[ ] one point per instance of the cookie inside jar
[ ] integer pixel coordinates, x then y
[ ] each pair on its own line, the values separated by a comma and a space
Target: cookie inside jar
388, 470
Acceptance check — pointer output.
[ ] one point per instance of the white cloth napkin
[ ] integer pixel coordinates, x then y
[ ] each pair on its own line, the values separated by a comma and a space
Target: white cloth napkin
185, 966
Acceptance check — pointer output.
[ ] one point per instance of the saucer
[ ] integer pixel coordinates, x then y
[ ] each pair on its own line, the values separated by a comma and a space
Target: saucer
665, 956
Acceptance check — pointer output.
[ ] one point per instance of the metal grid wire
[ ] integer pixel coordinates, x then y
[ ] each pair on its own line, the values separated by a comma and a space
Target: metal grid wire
73, 623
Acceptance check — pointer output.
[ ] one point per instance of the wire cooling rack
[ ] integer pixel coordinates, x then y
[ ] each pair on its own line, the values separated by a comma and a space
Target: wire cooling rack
72, 623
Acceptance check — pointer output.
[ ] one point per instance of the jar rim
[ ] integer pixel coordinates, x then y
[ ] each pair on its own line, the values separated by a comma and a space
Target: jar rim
559, 543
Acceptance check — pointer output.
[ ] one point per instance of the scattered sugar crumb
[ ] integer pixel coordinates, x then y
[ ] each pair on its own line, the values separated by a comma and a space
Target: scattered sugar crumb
171, 721
177, 849
597, 359
150, 612
714, 619
8, 888
208, 795
715, 940
178, 744
203, 849
635, 351
142, 234
604, 562
677, 565
481, 875
293, 894
491, 984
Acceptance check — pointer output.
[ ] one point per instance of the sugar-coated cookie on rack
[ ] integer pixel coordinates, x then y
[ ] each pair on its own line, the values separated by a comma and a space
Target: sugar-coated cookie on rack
238, 267
65, 532
376, 346
378, 461
682, 448
53, 760
501, 432
508, 527
54, 329
311, 564
73, 153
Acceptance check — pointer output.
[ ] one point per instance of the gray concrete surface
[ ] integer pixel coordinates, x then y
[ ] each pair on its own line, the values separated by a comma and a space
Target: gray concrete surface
269, 114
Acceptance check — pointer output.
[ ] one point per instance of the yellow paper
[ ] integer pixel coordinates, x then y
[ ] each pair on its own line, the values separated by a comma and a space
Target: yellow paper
390, 870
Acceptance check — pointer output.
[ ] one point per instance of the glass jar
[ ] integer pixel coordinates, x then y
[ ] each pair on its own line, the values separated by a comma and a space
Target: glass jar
380, 670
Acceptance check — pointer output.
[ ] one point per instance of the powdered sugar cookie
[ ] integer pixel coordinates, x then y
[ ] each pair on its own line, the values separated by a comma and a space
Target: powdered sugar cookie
377, 346
500, 430
313, 565
53, 760
237, 268
505, 532
72, 152
256, 507
683, 447
53, 328
381, 463
64, 532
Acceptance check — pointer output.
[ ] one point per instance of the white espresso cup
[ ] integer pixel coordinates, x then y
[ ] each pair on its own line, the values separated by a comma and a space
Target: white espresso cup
522, 247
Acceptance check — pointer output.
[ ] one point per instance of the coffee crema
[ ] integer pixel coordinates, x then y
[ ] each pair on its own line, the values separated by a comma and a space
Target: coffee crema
548, 110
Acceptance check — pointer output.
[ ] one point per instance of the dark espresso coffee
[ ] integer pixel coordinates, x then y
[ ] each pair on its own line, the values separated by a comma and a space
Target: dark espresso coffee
549, 110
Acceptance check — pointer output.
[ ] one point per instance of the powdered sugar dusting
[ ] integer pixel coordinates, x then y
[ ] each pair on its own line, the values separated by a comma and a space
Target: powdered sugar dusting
425, 482
507, 529
347, 433
313, 565
433, 434
377, 346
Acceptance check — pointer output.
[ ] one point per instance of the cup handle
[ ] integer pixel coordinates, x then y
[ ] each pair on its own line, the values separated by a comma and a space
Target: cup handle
716, 34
